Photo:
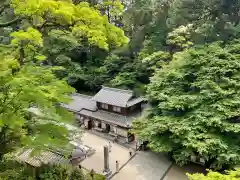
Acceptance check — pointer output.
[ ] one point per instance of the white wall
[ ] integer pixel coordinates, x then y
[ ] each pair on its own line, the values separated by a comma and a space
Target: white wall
122, 132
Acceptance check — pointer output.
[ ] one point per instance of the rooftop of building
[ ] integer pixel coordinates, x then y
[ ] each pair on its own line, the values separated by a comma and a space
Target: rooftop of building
113, 118
111, 96
116, 97
79, 102
43, 158
86, 105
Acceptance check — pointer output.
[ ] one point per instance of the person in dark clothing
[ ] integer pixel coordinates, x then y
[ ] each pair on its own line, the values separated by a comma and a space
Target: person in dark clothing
130, 153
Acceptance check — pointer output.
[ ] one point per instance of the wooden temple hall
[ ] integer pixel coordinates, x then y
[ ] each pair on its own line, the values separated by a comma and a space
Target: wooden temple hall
110, 111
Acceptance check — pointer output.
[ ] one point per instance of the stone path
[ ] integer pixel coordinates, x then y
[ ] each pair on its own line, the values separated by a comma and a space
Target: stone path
144, 166
179, 173
96, 161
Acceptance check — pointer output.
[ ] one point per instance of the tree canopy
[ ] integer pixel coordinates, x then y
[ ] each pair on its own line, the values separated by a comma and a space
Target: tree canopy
230, 175
26, 84
14, 170
196, 106
191, 49
32, 90
182, 54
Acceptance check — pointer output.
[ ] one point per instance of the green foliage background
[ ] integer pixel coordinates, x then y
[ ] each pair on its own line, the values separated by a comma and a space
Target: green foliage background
182, 54
11, 169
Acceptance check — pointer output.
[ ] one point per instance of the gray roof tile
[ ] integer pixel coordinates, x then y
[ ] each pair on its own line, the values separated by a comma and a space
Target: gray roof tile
135, 101
77, 153
113, 96
123, 121
44, 158
80, 101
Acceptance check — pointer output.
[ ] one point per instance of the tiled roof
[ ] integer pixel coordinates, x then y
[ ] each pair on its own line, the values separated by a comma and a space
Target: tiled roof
45, 158
78, 153
112, 118
135, 101
113, 96
80, 101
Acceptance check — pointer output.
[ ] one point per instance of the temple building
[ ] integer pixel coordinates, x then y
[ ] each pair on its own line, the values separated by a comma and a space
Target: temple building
110, 111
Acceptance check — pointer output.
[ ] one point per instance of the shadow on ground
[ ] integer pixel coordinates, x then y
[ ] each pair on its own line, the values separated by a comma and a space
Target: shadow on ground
179, 173
144, 166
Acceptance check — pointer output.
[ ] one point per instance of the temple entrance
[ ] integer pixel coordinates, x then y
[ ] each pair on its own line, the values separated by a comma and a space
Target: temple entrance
90, 124
108, 128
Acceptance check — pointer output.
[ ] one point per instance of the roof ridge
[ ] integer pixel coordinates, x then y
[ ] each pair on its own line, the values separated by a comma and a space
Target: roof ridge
138, 97
117, 89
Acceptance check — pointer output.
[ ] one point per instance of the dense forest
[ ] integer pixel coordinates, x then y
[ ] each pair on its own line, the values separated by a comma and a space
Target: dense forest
183, 55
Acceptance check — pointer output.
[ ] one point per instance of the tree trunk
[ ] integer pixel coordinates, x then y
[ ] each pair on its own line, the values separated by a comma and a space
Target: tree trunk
1, 157
2, 142
21, 52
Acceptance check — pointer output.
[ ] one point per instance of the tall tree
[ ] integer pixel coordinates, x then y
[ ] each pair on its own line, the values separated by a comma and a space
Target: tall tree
213, 20
61, 22
28, 75
196, 106
25, 84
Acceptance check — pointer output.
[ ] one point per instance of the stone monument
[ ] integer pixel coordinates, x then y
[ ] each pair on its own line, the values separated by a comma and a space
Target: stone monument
106, 170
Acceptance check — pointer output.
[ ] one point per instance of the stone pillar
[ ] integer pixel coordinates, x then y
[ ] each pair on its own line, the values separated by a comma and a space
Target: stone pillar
106, 170
106, 158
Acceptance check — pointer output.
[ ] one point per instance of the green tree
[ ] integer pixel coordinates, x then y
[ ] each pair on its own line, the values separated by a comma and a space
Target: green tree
26, 84
77, 174
212, 20
155, 38
81, 19
52, 172
136, 22
28, 77
11, 169
75, 36
124, 72
156, 60
196, 106
180, 38
230, 175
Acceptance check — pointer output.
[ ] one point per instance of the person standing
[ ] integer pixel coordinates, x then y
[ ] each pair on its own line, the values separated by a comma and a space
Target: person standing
115, 139
130, 152
117, 166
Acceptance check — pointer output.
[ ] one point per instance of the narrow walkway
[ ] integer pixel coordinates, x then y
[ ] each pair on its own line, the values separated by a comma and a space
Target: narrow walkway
146, 165
96, 161
179, 173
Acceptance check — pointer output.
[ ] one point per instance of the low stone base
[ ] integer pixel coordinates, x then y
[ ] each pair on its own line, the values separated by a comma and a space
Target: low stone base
107, 173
